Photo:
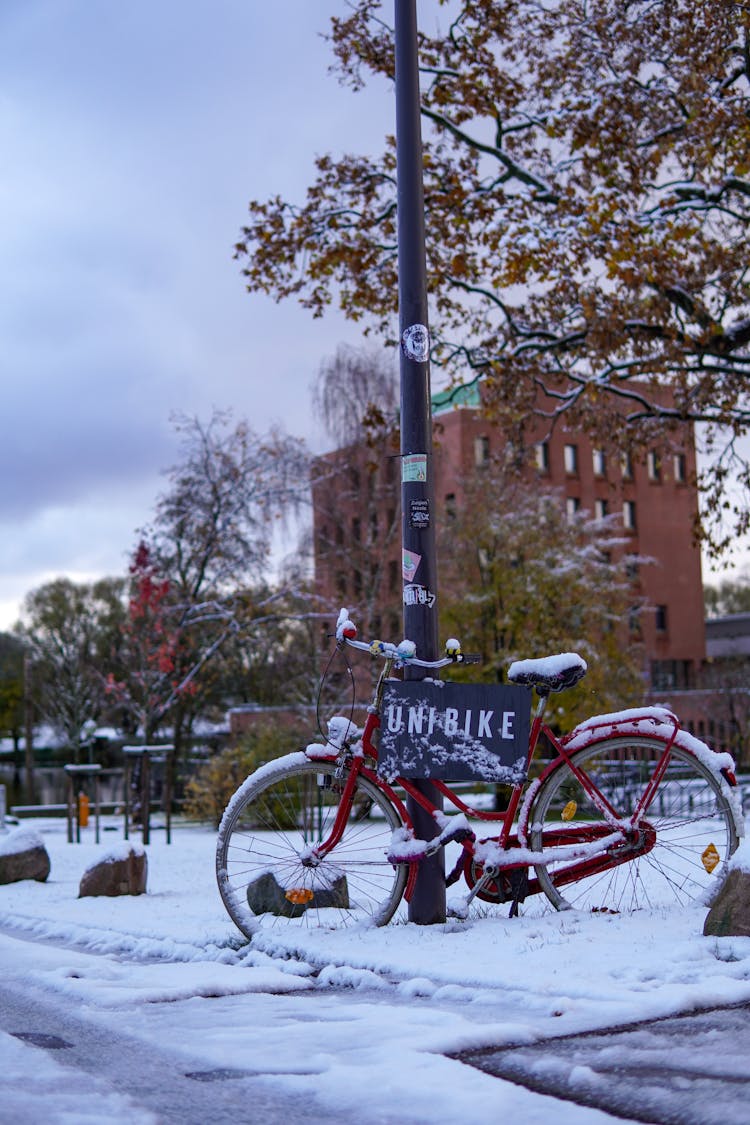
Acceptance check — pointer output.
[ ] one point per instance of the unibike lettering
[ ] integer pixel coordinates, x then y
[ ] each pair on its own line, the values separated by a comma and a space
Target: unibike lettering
395, 721
472, 723
465, 732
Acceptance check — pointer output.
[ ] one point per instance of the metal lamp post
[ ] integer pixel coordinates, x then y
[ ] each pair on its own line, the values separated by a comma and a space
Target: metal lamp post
417, 484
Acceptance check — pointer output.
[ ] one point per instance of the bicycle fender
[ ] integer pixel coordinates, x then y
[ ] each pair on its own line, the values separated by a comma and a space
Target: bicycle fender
317, 752
662, 725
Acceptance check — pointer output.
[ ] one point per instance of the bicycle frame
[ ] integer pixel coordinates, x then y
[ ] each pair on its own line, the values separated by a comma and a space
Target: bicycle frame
507, 841
618, 788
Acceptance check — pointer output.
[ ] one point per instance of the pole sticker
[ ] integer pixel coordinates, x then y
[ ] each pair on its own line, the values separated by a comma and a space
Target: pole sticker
415, 343
419, 514
410, 565
414, 467
414, 594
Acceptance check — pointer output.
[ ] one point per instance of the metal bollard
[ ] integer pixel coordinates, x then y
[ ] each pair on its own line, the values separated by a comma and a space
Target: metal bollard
2, 809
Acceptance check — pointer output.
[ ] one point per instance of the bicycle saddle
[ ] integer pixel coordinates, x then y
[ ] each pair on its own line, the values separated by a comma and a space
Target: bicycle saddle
549, 673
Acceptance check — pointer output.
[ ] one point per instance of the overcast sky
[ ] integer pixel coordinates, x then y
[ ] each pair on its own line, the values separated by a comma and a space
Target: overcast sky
133, 136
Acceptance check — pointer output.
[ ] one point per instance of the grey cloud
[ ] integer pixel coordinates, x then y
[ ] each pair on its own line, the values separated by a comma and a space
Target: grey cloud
133, 136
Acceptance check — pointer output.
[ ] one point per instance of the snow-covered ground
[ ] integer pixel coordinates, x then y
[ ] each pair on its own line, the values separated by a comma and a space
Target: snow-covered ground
171, 965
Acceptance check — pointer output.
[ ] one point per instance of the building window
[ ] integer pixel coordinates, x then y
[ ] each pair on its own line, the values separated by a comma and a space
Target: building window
653, 463
628, 515
634, 619
570, 459
626, 466
632, 568
599, 458
450, 505
356, 529
541, 456
660, 618
572, 505
662, 675
680, 468
671, 674
481, 451
601, 509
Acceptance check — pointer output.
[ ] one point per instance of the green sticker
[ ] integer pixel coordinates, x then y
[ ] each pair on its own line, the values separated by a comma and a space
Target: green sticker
414, 467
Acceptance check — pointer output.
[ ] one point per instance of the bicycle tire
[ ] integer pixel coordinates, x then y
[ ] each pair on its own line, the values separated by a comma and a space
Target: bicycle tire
690, 815
285, 808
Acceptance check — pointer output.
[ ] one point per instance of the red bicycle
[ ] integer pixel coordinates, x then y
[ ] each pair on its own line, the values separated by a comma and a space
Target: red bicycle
631, 812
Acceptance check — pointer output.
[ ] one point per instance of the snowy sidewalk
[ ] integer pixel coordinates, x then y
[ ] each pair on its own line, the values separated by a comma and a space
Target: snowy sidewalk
414, 994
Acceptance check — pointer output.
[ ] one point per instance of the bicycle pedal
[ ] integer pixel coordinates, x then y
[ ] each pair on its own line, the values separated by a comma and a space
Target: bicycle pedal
458, 835
458, 910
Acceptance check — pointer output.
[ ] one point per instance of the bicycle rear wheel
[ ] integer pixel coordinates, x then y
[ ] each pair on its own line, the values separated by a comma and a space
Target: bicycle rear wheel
685, 837
263, 868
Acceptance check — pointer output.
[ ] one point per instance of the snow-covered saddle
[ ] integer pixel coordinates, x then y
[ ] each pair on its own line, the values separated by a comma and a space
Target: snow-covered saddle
549, 673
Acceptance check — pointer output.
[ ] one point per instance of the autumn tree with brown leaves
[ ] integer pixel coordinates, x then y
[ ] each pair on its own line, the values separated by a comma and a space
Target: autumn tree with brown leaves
587, 194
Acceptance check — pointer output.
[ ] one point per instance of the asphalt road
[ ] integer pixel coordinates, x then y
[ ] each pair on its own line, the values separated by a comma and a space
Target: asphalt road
159, 1081
684, 1070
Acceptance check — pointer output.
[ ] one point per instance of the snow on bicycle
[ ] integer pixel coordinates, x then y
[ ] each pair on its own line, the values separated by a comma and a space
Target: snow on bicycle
631, 812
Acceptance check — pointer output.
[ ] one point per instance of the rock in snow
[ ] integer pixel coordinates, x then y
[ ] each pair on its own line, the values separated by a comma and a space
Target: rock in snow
730, 912
122, 871
23, 856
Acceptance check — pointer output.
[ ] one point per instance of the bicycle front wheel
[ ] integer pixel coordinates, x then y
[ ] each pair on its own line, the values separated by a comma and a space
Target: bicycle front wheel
267, 873
678, 853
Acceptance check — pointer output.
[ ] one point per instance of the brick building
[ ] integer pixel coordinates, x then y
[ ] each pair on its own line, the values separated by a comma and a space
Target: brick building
358, 558
719, 710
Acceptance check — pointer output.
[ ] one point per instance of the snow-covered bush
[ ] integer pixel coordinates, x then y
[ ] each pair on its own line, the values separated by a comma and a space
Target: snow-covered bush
209, 790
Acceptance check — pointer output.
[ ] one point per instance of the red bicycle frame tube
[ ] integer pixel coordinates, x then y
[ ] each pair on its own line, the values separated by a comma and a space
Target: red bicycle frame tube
598, 799
577, 869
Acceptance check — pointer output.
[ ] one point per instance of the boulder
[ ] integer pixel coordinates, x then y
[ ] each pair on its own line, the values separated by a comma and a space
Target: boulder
23, 856
265, 895
122, 871
730, 912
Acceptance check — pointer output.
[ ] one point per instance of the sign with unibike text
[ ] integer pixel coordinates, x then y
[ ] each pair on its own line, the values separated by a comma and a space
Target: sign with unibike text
454, 732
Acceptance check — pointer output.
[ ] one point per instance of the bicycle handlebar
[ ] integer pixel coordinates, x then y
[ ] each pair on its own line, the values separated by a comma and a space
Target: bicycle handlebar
403, 653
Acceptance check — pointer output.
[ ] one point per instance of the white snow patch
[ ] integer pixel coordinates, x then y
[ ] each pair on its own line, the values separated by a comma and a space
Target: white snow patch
20, 840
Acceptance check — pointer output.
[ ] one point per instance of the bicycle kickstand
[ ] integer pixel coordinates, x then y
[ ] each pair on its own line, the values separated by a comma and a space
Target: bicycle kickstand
519, 882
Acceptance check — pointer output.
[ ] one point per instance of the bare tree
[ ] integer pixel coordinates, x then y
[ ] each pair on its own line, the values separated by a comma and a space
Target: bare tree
198, 576
355, 393
356, 492
69, 631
